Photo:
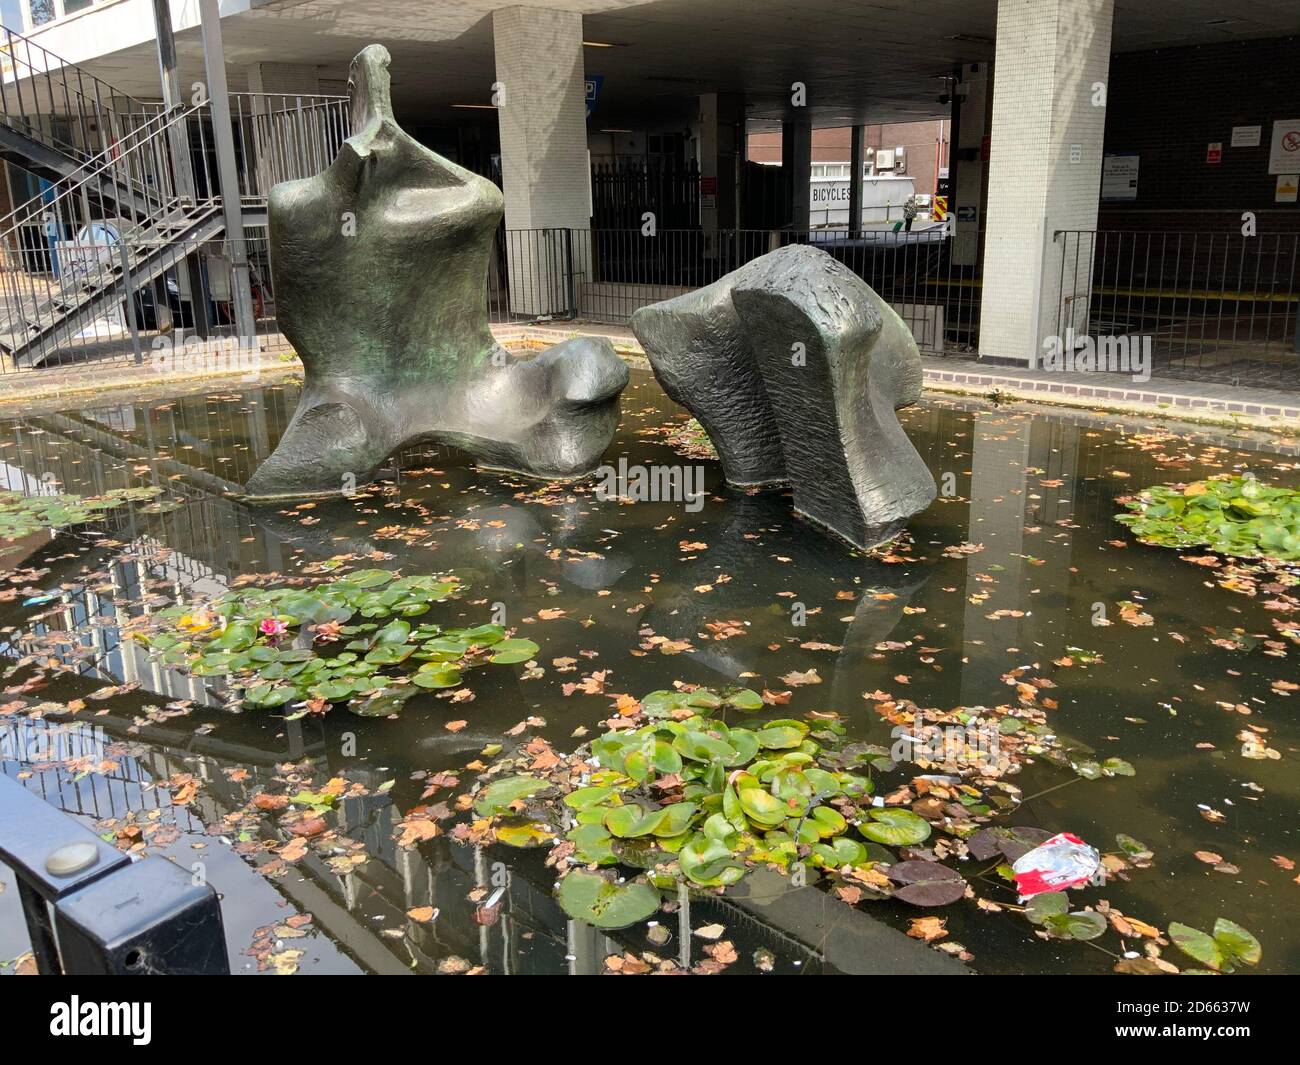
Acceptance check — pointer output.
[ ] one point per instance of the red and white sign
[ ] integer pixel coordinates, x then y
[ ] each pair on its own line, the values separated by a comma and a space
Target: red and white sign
1284, 154
1214, 152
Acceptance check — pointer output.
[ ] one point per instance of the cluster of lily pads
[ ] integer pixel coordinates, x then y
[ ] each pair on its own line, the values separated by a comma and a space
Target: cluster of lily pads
330, 642
696, 803
690, 799
1233, 515
22, 515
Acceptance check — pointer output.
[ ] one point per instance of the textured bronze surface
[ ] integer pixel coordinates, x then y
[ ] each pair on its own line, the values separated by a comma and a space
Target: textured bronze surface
380, 266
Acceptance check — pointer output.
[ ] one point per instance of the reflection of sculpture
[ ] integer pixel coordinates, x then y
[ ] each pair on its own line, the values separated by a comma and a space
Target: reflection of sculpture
759, 525
794, 367
380, 265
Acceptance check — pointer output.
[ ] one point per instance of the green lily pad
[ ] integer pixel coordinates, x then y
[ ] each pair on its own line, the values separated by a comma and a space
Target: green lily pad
497, 796
508, 652
895, 827
599, 901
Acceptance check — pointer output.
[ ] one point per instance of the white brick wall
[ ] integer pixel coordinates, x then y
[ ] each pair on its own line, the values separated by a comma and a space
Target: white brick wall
544, 121
1050, 53
284, 78
543, 124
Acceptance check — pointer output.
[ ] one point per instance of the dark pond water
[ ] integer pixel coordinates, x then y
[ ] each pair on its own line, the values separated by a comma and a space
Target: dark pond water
595, 581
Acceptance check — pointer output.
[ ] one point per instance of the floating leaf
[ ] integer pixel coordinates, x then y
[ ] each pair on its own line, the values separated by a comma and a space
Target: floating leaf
508, 652
600, 902
895, 828
927, 883
498, 796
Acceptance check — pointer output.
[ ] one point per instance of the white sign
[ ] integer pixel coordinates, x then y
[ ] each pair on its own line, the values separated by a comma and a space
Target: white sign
1246, 136
1076, 153
1119, 177
1288, 188
1284, 155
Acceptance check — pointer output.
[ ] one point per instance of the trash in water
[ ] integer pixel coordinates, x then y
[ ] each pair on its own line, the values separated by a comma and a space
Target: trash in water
1064, 861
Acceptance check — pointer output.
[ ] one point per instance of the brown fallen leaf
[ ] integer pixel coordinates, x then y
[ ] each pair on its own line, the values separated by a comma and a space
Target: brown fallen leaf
928, 929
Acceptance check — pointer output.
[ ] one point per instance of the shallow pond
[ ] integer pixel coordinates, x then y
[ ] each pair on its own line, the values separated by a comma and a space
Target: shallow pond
1013, 566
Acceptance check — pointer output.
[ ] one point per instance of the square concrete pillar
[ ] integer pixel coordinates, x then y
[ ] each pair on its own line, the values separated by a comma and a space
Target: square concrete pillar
540, 95
722, 146
796, 162
1049, 117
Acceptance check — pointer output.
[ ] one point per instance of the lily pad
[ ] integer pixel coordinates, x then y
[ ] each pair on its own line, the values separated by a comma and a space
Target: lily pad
498, 796
600, 902
927, 883
895, 827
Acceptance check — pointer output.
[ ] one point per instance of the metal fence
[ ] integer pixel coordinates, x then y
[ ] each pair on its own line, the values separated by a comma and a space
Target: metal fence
1210, 305
156, 297
622, 192
604, 275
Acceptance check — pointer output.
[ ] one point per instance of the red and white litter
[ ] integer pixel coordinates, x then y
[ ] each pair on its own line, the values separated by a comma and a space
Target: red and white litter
1064, 861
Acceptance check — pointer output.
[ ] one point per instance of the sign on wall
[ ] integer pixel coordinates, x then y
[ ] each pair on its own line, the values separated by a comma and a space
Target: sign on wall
1284, 155
1288, 188
1246, 136
591, 89
1214, 152
1119, 178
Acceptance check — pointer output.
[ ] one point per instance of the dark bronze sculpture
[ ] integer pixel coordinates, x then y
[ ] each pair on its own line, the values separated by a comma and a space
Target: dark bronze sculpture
794, 367
380, 265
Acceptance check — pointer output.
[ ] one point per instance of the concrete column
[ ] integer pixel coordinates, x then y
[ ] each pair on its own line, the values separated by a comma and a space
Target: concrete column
545, 172
722, 146
223, 142
968, 167
1045, 166
796, 163
857, 167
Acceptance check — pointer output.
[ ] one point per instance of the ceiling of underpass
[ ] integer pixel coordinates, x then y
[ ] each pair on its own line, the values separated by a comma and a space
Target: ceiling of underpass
873, 61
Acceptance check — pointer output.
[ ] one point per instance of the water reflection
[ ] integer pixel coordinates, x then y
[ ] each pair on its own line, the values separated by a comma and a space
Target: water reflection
1002, 572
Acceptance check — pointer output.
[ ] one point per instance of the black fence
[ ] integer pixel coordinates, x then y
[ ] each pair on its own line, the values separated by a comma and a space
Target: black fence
1214, 306
622, 192
604, 275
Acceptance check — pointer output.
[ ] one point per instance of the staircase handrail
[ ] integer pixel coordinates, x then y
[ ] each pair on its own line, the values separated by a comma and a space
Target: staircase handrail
114, 167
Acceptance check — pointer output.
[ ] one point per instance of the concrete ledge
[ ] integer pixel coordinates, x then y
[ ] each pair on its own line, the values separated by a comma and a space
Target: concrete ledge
1194, 402
1187, 401
852, 940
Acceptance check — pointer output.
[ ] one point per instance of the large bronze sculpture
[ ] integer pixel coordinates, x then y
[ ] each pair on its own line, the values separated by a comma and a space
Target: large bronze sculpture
794, 367
380, 265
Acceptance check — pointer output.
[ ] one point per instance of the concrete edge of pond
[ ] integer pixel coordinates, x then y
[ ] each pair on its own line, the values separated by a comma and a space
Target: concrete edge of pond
1170, 400
849, 939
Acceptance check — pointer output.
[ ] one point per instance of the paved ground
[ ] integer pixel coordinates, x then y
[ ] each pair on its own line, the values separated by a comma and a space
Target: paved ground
1196, 401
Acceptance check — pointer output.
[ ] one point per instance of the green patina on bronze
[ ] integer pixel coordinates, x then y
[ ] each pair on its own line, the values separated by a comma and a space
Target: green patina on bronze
380, 266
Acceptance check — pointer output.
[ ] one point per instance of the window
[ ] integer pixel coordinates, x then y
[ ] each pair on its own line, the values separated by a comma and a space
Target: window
831, 171
43, 11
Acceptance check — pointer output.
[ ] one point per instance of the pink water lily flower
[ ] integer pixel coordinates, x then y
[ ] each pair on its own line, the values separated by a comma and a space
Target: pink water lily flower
271, 627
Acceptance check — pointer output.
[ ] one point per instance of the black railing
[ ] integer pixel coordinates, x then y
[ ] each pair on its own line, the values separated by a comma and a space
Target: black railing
623, 192
604, 275
1212, 305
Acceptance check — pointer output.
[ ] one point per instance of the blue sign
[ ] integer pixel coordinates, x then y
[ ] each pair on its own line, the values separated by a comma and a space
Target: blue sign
593, 84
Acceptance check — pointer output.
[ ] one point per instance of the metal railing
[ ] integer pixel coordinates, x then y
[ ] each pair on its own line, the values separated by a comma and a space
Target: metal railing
47, 99
128, 300
106, 252
605, 275
1212, 305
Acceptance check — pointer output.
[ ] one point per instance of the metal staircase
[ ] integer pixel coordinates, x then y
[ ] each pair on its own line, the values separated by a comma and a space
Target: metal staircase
128, 193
